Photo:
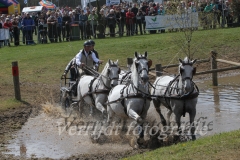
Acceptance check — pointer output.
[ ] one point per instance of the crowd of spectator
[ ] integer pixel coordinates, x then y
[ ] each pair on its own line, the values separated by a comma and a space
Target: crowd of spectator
125, 18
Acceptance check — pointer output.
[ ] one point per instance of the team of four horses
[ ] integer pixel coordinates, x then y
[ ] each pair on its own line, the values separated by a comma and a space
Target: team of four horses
127, 95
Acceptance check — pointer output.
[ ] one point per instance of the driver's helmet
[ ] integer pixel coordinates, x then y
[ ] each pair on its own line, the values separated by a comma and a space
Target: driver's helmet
87, 43
92, 42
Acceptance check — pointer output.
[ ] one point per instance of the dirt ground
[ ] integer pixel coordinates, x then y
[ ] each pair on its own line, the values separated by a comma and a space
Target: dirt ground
11, 120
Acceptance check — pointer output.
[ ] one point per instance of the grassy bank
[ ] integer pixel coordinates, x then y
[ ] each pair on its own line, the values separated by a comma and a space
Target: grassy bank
45, 63
218, 147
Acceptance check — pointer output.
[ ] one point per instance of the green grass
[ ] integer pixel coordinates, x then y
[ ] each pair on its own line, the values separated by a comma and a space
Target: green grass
45, 63
9, 104
221, 146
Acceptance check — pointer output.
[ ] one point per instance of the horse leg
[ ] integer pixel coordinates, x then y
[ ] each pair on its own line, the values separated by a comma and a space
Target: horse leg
91, 110
140, 140
179, 131
135, 116
157, 104
169, 112
110, 114
192, 115
100, 107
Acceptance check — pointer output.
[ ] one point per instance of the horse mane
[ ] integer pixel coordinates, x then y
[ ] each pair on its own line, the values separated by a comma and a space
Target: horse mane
134, 75
186, 60
105, 69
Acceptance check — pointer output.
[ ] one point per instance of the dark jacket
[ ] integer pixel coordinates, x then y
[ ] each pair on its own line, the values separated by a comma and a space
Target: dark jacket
28, 24
82, 19
111, 20
66, 19
70, 64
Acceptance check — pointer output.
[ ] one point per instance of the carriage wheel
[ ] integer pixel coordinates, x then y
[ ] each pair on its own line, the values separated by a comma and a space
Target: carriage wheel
66, 103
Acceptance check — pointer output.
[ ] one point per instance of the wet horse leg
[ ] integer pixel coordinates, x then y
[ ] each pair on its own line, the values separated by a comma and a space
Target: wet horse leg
157, 105
100, 107
135, 116
192, 115
110, 115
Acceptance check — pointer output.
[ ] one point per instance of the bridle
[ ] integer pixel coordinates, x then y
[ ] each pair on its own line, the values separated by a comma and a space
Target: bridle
109, 78
186, 78
142, 69
119, 70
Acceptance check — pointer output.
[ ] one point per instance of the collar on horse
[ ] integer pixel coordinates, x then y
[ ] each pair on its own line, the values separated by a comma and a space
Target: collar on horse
191, 95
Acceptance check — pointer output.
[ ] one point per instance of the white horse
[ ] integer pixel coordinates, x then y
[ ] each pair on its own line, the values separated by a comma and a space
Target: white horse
132, 100
94, 91
178, 94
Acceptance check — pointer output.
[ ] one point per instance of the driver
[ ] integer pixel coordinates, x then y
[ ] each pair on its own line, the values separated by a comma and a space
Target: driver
86, 58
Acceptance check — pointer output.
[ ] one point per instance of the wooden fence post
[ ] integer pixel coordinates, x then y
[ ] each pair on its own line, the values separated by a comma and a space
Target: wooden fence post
129, 62
15, 74
214, 66
158, 69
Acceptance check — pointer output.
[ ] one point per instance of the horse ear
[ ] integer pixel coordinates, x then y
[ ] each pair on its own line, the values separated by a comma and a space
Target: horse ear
116, 62
195, 60
136, 54
146, 54
180, 60
194, 70
109, 62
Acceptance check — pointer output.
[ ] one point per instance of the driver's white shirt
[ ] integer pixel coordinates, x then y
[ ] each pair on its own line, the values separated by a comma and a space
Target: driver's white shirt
79, 57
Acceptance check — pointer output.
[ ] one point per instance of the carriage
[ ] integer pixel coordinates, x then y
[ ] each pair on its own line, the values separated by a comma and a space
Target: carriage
132, 99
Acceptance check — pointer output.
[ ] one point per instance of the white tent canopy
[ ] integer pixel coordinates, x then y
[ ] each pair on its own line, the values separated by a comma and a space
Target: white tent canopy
33, 9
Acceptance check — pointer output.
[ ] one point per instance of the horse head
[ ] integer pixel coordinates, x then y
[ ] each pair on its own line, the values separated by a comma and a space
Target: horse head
187, 71
142, 65
113, 72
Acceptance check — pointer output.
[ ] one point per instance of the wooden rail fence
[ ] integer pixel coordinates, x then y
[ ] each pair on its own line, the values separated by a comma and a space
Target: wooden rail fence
214, 68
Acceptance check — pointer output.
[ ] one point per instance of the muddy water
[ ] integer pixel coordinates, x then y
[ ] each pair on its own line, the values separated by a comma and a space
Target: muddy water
218, 108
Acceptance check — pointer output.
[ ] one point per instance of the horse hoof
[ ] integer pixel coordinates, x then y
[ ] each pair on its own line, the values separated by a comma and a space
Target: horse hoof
193, 138
139, 120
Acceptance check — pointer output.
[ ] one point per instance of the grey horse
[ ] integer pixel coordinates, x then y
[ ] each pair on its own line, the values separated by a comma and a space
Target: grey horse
178, 94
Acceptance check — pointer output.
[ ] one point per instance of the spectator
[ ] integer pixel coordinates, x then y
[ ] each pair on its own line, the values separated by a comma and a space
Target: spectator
129, 22
111, 21
59, 26
8, 25
120, 21
102, 21
135, 11
15, 31
148, 8
220, 9
52, 27
42, 30
152, 12
228, 14
92, 18
207, 16
161, 10
66, 22
28, 28
139, 17
82, 24
144, 11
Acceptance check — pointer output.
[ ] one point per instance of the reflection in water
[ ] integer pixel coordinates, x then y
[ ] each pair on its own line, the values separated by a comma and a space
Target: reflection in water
217, 106
216, 99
